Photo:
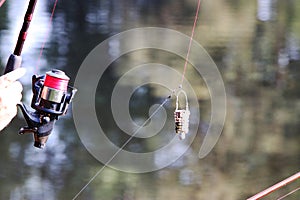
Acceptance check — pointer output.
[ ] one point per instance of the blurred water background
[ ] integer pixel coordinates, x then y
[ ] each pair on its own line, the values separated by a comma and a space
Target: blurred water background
256, 46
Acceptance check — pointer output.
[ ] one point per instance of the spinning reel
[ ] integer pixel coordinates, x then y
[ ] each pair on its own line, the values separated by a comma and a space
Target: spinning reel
51, 98
51, 93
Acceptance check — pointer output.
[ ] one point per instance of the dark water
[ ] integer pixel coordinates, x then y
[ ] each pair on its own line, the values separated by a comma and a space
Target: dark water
256, 47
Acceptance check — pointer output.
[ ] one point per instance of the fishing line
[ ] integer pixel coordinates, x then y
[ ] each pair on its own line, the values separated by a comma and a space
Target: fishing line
160, 106
121, 148
45, 37
284, 196
190, 43
181, 115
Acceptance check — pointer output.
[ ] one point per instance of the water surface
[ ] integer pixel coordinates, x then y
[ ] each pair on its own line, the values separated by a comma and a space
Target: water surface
256, 46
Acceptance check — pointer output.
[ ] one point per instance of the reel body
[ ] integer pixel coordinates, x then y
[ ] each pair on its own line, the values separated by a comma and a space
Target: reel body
51, 97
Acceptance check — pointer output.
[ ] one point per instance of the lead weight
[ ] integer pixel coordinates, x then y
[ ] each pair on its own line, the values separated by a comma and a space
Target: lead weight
181, 117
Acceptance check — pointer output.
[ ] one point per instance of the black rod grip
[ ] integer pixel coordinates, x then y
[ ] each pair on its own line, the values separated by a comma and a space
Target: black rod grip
14, 62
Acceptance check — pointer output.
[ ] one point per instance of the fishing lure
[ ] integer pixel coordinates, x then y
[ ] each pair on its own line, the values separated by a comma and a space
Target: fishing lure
181, 116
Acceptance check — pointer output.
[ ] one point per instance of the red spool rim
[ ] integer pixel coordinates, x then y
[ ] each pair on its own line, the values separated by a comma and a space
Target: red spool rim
56, 83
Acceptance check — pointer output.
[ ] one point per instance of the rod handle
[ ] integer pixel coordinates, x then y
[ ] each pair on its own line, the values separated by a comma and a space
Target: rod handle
14, 62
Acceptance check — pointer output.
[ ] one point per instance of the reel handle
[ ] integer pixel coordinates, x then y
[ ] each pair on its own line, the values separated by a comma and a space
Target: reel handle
39, 125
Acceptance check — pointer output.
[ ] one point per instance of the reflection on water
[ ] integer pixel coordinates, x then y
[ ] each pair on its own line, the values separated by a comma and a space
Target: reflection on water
255, 44
264, 10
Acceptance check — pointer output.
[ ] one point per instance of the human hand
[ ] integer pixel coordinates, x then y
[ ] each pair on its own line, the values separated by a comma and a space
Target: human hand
10, 95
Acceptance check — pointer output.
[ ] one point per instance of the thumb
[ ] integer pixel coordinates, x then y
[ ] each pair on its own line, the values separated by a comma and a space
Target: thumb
10, 77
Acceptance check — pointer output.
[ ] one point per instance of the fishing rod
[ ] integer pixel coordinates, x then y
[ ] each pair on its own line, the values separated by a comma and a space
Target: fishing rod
276, 187
51, 92
2, 2
15, 59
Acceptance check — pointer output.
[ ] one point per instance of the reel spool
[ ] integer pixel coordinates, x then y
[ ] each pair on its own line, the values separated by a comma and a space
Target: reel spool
51, 97
181, 117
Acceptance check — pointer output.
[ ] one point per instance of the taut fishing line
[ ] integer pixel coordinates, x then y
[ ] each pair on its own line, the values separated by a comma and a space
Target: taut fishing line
46, 36
190, 43
127, 141
181, 115
288, 194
